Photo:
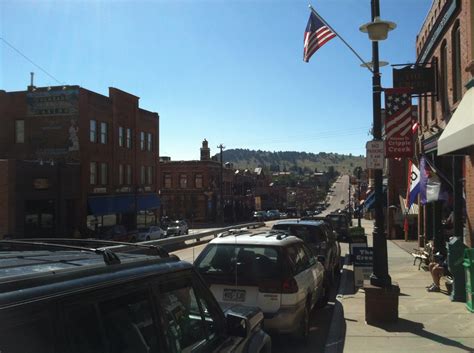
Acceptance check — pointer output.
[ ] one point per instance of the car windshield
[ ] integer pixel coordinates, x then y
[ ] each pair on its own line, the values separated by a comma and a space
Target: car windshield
240, 263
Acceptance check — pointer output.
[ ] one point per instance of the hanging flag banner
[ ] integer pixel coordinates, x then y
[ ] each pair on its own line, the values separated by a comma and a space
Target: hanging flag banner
431, 187
398, 123
413, 188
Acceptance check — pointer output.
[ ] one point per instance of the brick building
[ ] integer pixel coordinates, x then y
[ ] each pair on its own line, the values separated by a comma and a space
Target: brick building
446, 119
191, 189
81, 160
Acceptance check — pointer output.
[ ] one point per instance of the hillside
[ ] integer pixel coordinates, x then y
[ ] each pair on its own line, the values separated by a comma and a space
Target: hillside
293, 161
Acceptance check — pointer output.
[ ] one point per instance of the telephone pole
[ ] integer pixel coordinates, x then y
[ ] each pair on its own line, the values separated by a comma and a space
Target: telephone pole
221, 198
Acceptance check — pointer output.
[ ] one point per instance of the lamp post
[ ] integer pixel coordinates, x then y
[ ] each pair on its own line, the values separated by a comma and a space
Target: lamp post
378, 30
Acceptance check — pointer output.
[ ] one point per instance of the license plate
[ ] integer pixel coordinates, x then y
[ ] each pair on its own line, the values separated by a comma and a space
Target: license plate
234, 295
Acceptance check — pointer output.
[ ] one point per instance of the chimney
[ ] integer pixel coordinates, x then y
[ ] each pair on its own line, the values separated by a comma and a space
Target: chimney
31, 87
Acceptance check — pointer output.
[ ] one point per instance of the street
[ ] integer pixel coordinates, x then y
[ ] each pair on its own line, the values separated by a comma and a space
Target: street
320, 318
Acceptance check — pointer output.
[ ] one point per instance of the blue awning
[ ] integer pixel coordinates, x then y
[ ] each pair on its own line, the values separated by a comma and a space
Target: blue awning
103, 205
148, 202
370, 200
124, 203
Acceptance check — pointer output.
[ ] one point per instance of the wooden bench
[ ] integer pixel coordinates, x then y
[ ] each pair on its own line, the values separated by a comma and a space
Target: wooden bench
421, 255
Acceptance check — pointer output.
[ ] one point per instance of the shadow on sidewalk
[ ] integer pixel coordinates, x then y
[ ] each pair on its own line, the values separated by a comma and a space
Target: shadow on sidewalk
417, 328
337, 335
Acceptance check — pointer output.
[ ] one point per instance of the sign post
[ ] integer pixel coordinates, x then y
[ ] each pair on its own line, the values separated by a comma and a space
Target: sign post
363, 260
375, 154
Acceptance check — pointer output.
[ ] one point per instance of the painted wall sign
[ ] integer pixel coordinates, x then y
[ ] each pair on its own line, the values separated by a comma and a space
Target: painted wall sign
451, 6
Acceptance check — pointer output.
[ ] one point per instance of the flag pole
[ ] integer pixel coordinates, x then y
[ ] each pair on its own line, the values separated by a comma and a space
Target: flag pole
337, 34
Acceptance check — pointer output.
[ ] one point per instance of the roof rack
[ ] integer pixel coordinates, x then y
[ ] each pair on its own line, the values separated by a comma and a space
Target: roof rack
109, 244
234, 232
110, 258
280, 234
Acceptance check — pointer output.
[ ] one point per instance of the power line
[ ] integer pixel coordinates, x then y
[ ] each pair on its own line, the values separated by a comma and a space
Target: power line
31, 61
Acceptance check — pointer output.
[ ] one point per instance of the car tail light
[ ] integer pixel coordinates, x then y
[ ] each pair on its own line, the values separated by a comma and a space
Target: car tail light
289, 285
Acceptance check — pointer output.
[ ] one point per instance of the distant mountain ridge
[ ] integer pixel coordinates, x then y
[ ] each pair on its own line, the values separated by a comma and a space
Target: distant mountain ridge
299, 162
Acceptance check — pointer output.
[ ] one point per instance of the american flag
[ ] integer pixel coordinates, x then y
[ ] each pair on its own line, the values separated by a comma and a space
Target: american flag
398, 112
316, 35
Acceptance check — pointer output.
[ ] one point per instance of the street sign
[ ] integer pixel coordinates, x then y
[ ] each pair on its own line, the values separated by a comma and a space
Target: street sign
363, 257
375, 154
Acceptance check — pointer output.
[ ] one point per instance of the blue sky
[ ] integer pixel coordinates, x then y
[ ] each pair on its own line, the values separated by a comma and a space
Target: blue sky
229, 71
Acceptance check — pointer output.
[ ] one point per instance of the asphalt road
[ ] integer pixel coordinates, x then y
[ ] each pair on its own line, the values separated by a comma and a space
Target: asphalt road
320, 318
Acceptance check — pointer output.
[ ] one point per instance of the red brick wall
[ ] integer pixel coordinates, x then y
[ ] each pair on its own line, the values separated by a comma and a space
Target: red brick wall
463, 17
7, 201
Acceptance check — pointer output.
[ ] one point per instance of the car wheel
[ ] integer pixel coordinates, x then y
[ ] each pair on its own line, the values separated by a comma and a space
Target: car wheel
303, 330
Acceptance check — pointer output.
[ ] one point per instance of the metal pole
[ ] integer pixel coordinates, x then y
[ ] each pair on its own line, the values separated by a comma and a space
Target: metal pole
221, 204
359, 224
380, 276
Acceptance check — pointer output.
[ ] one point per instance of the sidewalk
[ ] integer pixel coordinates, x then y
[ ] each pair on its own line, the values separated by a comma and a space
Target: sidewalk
428, 322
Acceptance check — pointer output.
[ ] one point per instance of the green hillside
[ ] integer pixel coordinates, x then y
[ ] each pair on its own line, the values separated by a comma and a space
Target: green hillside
301, 162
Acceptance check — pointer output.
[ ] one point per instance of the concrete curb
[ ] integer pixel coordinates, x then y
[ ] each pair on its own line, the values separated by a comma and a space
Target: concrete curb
335, 340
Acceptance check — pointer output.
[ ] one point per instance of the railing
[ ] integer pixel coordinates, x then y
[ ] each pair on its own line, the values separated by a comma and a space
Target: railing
180, 240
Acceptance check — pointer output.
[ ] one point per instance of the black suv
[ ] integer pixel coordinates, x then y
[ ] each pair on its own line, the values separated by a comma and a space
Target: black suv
320, 238
66, 295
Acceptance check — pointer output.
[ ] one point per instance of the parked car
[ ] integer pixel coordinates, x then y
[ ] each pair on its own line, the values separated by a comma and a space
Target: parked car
117, 232
271, 270
176, 228
321, 240
150, 233
273, 214
81, 297
260, 216
340, 224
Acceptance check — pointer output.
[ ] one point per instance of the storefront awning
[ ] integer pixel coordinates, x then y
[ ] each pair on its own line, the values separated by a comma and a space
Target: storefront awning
103, 205
148, 202
459, 132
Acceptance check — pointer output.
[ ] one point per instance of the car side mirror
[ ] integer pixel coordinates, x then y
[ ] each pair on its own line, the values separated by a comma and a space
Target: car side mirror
237, 326
321, 259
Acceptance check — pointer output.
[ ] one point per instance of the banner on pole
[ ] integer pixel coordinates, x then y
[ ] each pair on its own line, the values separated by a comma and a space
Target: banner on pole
398, 123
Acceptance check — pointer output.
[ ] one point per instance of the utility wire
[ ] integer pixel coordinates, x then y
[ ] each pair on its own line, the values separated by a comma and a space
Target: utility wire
31, 61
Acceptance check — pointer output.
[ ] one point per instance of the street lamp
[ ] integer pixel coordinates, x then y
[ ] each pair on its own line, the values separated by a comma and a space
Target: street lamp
378, 30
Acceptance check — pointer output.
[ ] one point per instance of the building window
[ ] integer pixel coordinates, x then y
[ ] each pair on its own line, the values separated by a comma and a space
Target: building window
457, 78
121, 136
129, 174
444, 79
103, 133
167, 181
129, 138
93, 173
198, 181
120, 174
142, 141
103, 173
149, 142
183, 181
142, 174
149, 175
93, 131
19, 131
